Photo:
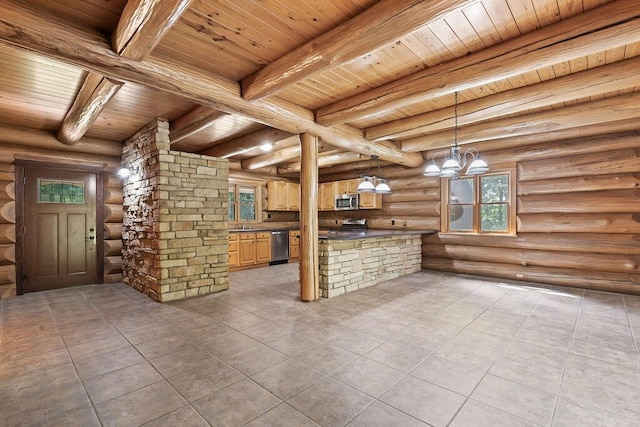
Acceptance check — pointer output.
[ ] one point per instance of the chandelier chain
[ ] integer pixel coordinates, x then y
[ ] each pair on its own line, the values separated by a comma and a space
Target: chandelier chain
455, 115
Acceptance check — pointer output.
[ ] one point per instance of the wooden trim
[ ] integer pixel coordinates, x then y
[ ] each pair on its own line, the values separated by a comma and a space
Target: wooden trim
100, 227
19, 227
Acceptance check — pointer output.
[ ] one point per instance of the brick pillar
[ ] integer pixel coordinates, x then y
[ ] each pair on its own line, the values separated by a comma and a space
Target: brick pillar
174, 232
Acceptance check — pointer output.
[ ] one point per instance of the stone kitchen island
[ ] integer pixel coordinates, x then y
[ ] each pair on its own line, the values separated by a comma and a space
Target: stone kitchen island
352, 260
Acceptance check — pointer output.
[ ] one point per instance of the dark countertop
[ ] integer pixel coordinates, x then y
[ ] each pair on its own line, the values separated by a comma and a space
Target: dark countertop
337, 234
366, 234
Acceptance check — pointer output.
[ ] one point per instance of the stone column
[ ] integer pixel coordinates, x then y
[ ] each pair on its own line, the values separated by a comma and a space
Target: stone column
175, 242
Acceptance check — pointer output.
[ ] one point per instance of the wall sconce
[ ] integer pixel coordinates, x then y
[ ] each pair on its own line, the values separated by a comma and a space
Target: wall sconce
127, 171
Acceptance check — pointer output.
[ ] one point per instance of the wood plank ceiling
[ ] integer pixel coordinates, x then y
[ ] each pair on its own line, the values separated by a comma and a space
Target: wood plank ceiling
369, 77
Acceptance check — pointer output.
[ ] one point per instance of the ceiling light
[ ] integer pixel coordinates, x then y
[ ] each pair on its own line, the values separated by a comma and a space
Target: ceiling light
266, 147
454, 162
372, 183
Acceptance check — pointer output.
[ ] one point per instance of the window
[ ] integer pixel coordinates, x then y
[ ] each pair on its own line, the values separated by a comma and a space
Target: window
243, 202
57, 191
480, 204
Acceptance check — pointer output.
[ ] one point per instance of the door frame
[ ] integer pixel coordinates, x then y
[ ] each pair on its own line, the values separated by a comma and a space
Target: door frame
21, 165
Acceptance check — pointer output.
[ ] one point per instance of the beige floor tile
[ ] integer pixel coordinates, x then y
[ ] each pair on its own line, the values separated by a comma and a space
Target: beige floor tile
287, 378
429, 403
163, 345
107, 362
525, 402
357, 342
294, 343
330, 403
473, 348
368, 376
474, 414
326, 358
189, 358
570, 414
138, 407
282, 415
236, 404
398, 356
255, 359
531, 365
96, 347
604, 385
116, 383
381, 415
185, 416
210, 376
458, 378
229, 344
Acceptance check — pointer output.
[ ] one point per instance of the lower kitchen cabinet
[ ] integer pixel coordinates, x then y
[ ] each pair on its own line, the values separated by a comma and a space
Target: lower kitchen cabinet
234, 261
263, 247
249, 249
294, 244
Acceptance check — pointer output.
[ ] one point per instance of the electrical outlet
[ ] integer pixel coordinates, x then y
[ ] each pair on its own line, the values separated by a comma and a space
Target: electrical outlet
519, 276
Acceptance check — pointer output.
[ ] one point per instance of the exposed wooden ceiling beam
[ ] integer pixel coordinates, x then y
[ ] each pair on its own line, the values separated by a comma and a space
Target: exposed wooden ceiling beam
20, 26
247, 142
326, 159
607, 78
381, 24
142, 25
274, 157
571, 38
590, 113
94, 95
194, 121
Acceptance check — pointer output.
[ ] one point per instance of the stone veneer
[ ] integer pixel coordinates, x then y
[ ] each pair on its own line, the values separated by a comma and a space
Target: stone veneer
175, 242
348, 265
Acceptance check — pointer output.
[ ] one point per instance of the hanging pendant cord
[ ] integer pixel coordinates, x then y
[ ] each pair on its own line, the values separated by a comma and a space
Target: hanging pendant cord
455, 115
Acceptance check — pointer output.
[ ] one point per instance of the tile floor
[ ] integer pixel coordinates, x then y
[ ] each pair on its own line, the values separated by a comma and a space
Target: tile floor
427, 349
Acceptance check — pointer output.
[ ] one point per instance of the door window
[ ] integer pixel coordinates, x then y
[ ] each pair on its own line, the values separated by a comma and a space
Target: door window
58, 191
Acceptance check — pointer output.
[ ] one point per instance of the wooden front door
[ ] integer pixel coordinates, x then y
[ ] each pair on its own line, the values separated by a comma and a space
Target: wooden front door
59, 229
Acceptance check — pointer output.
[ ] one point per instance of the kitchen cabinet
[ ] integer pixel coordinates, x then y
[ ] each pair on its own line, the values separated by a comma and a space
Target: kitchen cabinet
293, 196
263, 247
327, 196
370, 201
348, 186
294, 244
233, 250
283, 196
247, 249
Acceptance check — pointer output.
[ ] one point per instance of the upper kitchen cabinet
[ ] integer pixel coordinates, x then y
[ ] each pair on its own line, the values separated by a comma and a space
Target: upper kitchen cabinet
283, 196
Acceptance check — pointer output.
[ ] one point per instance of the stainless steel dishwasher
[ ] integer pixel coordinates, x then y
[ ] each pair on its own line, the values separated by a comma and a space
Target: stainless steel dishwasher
279, 246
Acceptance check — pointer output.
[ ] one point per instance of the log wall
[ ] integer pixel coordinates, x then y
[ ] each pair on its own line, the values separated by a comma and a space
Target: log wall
113, 215
578, 221
7, 230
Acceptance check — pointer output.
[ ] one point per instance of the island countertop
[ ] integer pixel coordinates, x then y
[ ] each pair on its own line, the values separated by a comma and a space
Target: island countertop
338, 234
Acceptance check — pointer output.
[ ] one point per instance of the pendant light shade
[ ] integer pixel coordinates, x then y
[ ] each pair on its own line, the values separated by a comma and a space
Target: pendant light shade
366, 185
372, 183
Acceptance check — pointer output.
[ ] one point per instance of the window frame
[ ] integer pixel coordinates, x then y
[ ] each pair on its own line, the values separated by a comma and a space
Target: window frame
236, 184
511, 205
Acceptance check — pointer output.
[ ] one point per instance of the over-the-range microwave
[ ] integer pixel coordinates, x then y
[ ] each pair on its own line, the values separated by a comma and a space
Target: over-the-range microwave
347, 202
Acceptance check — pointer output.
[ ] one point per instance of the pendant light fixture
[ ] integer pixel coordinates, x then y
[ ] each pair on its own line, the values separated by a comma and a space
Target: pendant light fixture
454, 162
372, 183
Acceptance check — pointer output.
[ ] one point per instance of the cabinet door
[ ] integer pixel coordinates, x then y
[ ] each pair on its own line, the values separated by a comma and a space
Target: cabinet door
233, 259
352, 185
294, 252
263, 250
277, 196
342, 187
370, 201
233, 250
248, 251
328, 196
293, 193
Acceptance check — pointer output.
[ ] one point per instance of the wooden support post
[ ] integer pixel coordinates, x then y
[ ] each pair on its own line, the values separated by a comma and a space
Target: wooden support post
309, 269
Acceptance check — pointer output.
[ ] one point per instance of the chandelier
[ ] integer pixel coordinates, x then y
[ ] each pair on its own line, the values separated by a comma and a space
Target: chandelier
454, 161
368, 183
